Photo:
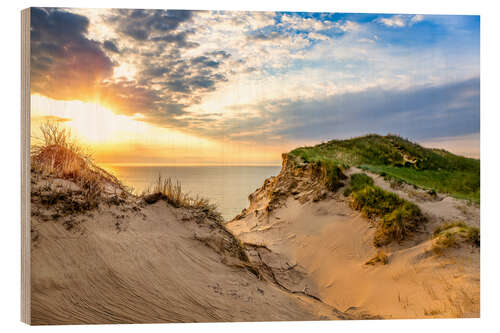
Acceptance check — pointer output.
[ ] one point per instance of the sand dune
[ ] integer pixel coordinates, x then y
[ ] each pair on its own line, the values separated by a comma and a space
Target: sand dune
130, 262
321, 233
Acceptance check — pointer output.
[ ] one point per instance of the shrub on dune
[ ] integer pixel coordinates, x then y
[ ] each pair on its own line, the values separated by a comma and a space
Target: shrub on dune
58, 155
449, 235
395, 217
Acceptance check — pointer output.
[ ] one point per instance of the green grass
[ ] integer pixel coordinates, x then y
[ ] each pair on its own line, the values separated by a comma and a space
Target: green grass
360, 180
373, 201
459, 184
398, 224
431, 169
331, 174
396, 218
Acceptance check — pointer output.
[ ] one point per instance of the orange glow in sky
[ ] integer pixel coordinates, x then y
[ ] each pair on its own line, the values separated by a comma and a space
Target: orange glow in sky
121, 139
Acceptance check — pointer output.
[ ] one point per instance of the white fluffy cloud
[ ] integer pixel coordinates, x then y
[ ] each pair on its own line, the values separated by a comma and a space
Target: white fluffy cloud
399, 21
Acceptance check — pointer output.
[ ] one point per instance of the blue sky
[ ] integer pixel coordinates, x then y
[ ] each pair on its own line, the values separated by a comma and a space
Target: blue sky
267, 81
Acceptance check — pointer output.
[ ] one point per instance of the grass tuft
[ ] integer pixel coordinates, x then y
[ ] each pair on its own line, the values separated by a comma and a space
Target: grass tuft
58, 155
396, 217
449, 234
381, 258
373, 201
399, 224
360, 180
164, 188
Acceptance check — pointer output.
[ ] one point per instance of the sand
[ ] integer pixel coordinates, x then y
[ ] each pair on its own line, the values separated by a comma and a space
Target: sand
129, 262
332, 242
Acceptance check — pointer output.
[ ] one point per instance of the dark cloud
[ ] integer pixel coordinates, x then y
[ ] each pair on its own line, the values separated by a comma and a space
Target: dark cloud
155, 72
64, 62
136, 33
204, 61
419, 113
143, 24
110, 46
179, 39
265, 36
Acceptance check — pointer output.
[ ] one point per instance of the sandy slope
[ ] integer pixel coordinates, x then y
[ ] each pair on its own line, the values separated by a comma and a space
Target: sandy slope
130, 262
331, 242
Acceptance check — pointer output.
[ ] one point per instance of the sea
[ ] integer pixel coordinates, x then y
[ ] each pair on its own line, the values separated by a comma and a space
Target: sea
226, 186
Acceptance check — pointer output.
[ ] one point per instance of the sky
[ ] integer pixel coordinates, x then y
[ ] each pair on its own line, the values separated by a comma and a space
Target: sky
224, 87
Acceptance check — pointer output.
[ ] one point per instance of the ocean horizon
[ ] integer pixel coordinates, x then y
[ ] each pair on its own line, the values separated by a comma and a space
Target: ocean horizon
226, 186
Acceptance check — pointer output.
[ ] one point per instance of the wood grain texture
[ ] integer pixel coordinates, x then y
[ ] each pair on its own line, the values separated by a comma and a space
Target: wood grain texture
25, 169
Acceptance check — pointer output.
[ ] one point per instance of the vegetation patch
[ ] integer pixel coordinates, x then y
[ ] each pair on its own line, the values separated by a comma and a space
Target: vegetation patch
459, 184
451, 234
360, 180
330, 174
57, 155
396, 218
380, 258
164, 188
401, 160
398, 224
374, 202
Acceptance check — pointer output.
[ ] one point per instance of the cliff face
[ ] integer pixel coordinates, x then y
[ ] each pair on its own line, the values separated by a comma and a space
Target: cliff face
302, 181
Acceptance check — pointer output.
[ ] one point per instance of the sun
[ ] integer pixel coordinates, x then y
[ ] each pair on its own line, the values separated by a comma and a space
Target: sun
88, 121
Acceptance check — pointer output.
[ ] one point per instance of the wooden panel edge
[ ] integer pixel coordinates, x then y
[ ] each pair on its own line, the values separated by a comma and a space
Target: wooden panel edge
25, 168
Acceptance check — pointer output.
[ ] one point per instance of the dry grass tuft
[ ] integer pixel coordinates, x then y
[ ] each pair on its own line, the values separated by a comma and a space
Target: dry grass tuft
164, 188
381, 258
451, 234
58, 155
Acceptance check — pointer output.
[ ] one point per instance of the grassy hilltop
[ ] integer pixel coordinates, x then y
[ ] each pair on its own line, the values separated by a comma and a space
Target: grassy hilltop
399, 160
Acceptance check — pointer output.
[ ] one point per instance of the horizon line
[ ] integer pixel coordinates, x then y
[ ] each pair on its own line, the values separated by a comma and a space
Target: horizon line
189, 164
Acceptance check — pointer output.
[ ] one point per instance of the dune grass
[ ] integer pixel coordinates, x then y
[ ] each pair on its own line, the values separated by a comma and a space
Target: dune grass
163, 188
391, 155
395, 217
331, 174
451, 233
381, 258
360, 180
58, 155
